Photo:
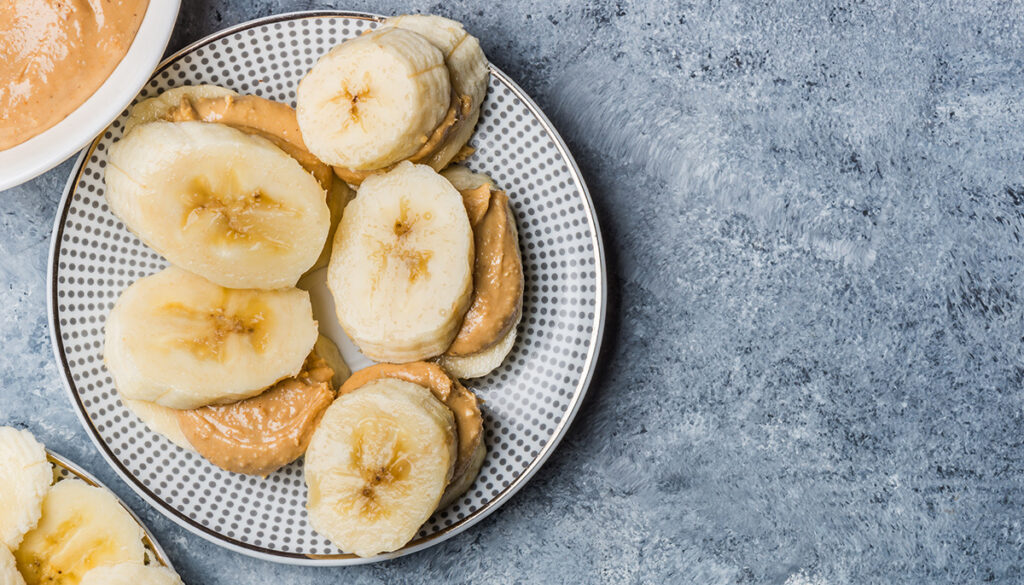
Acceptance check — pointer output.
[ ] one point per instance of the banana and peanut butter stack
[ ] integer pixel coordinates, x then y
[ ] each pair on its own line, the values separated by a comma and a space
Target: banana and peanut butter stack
221, 352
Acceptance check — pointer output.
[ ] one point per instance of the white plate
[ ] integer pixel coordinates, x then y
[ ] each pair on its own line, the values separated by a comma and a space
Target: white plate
48, 149
528, 402
65, 469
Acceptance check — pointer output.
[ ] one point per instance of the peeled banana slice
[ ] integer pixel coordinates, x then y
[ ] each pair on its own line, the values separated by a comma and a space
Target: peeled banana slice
253, 115
25, 477
131, 574
465, 406
159, 419
82, 527
337, 198
482, 363
231, 207
330, 353
467, 69
181, 341
378, 465
464, 179
466, 62
9, 574
157, 108
400, 270
460, 484
373, 100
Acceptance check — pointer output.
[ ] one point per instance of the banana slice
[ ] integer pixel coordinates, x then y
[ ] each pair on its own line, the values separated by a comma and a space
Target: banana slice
378, 465
228, 206
464, 404
488, 332
400, 270
157, 108
253, 115
181, 341
82, 527
328, 350
9, 574
467, 69
466, 62
25, 477
460, 484
159, 419
464, 179
482, 363
337, 198
131, 574
372, 100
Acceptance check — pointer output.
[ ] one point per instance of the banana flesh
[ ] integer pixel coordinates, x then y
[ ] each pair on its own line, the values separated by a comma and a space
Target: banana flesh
482, 362
378, 465
400, 269
9, 574
338, 86
371, 100
231, 207
82, 527
181, 341
25, 477
131, 574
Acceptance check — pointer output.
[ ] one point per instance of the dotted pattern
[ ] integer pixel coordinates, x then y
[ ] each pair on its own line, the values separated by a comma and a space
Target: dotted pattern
525, 400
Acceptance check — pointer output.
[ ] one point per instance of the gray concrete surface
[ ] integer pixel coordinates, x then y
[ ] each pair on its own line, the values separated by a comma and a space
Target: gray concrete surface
815, 356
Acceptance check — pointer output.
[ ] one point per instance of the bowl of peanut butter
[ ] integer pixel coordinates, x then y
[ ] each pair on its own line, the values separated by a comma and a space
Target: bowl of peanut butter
67, 69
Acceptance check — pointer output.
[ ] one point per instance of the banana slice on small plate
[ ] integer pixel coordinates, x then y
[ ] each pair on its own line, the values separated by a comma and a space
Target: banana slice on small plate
528, 402
84, 526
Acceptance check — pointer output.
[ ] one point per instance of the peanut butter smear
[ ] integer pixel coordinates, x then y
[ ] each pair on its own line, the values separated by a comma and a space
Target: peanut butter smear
448, 390
54, 55
261, 434
458, 114
497, 272
254, 115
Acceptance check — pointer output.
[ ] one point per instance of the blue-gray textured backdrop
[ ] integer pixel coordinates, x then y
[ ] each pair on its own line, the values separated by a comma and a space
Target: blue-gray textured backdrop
815, 353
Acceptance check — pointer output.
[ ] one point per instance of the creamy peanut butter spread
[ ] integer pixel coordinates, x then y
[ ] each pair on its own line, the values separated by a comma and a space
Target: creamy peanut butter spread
54, 55
255, 115
497, 272
448, 390
458, 114
261, 434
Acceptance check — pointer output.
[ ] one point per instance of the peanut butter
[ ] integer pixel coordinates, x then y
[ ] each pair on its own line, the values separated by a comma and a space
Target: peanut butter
54, 55
448, 390
254, 115
261, 434
497, 272
457, 115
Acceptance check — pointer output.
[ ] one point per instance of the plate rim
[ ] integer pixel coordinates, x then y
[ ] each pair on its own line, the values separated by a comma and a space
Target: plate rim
194, 527
78, 471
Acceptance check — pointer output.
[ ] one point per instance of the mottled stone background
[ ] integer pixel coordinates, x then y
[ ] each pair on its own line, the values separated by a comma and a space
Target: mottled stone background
815, 355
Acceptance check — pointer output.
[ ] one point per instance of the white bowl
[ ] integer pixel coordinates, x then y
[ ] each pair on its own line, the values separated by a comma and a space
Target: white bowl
45, 151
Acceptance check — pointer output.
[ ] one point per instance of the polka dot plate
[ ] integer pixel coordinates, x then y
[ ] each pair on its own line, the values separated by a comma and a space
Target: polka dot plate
65, 469
528, 402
